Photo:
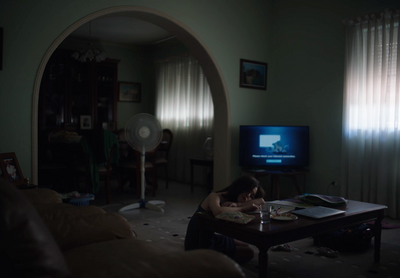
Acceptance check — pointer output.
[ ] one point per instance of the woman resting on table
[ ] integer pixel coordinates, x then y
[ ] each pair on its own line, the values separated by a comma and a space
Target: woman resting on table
245, 194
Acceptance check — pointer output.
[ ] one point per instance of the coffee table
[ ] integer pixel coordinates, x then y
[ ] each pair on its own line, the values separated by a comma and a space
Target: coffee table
264, 236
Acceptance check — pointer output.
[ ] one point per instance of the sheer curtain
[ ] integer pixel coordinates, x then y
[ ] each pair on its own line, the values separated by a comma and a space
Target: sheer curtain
184, 105
371, 114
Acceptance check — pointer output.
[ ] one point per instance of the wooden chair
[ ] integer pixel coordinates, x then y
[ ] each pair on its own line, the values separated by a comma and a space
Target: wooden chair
163, 152
105, 170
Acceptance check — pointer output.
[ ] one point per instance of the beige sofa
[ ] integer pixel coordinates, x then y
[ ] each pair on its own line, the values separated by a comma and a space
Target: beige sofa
42, 237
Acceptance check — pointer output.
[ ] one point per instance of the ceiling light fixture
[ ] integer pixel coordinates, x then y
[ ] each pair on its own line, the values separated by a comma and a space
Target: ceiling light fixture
90, 54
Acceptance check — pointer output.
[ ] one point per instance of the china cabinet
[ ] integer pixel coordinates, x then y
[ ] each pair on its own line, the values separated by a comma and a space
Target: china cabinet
70, 89
71, 92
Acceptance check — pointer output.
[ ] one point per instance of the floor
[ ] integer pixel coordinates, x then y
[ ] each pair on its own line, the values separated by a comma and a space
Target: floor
167, 229
178, 199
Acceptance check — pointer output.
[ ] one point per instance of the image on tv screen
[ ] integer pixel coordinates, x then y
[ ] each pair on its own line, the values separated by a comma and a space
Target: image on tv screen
285, 146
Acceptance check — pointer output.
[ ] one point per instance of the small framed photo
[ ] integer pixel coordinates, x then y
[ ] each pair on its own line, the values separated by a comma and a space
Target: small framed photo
86, 122
10, 168
131, 92
253, 74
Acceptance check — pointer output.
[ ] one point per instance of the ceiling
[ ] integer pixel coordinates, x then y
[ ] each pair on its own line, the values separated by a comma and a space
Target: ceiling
122, 29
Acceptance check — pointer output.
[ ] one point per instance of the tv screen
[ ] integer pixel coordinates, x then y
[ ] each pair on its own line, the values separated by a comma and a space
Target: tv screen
274, 146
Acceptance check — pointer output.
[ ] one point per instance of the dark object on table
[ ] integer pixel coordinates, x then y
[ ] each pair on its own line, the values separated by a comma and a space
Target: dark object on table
322, 200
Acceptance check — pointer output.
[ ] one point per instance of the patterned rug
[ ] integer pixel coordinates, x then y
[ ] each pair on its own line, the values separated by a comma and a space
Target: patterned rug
304, 261
168, 229
168, 233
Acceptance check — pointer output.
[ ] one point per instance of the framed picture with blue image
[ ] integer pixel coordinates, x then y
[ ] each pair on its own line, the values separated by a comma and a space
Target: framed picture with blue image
253, 74
10, 169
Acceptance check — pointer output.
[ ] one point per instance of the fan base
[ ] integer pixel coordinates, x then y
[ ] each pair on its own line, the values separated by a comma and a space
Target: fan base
144, 204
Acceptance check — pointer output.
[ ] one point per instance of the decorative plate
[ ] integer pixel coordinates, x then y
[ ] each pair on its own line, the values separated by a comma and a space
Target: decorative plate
284, 216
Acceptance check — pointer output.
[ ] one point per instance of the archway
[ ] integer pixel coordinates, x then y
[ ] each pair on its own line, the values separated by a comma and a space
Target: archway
222, 142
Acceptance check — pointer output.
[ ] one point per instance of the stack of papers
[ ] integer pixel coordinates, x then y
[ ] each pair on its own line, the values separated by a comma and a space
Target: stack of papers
289, 204
285, 206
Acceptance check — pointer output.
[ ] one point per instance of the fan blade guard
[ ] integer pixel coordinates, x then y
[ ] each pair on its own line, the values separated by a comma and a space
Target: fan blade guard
143, 132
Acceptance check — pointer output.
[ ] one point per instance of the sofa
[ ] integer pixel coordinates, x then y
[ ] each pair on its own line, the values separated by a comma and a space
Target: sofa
43, 237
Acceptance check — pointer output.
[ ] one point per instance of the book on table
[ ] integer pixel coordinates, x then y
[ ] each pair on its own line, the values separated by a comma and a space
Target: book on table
322, 200
318, 212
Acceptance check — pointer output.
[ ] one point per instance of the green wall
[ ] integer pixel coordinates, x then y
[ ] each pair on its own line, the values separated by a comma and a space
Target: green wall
309, 40
231, 29
302, 42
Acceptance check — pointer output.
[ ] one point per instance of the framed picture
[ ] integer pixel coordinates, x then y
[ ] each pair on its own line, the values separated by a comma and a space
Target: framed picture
86, 122
10, 168
253, 74
131, 92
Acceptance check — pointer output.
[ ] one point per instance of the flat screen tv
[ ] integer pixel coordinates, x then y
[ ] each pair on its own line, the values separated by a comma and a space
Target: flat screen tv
275, 147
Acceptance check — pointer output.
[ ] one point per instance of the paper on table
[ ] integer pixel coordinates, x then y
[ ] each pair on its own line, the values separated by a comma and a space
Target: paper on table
283, 208
289, 204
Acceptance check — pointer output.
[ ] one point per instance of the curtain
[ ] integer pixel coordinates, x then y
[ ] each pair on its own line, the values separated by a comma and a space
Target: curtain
184, 105
371, 112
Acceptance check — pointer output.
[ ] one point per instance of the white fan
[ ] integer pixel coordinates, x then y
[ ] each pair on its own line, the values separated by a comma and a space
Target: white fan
143, 133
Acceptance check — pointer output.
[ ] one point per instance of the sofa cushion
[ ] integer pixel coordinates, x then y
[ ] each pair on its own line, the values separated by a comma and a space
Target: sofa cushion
27, 248
65, 212
137, 258
83, 230
42, 195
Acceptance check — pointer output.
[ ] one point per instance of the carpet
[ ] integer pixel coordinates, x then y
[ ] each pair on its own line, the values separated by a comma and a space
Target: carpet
168, 229
305, 261
168, 232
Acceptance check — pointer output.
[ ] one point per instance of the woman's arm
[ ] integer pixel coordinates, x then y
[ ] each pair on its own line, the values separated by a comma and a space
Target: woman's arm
214, 203
258, 202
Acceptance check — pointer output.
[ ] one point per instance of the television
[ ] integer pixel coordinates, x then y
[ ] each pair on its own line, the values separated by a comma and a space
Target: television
274, 147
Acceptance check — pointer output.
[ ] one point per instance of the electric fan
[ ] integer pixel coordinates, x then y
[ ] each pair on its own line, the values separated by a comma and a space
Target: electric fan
143, 133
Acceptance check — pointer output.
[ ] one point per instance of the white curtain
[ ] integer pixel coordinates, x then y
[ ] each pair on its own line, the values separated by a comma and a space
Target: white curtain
184, 105
371, 114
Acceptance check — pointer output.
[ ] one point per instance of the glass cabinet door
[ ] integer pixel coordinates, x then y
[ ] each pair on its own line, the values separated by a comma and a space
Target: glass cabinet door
105, 93
79, 97
71, 89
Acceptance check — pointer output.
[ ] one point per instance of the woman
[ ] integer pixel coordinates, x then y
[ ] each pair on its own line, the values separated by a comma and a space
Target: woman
245, 194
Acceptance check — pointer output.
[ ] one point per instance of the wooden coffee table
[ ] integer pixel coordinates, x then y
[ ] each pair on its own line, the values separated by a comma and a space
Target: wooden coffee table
264, 236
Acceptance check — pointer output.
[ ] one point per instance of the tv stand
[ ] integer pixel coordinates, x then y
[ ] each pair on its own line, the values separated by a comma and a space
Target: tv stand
275, 174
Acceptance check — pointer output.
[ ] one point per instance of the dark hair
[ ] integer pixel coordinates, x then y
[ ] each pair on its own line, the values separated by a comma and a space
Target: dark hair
241, 185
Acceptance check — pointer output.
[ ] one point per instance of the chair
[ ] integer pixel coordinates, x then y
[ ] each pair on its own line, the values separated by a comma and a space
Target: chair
163, 152
130, 161
97, 165
59, 151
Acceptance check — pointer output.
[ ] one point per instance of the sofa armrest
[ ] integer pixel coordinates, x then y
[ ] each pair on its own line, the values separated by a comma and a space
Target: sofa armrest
41, 195
137, 258
65, 212
72, 233
27, 249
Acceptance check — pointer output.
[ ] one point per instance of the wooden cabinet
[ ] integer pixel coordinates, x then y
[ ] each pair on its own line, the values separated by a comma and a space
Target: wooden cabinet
71, 89
105, 87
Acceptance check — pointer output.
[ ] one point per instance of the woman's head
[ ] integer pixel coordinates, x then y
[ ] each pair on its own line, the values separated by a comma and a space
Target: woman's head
243, 189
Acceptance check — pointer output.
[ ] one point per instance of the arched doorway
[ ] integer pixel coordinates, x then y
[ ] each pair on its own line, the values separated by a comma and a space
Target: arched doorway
222, 143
